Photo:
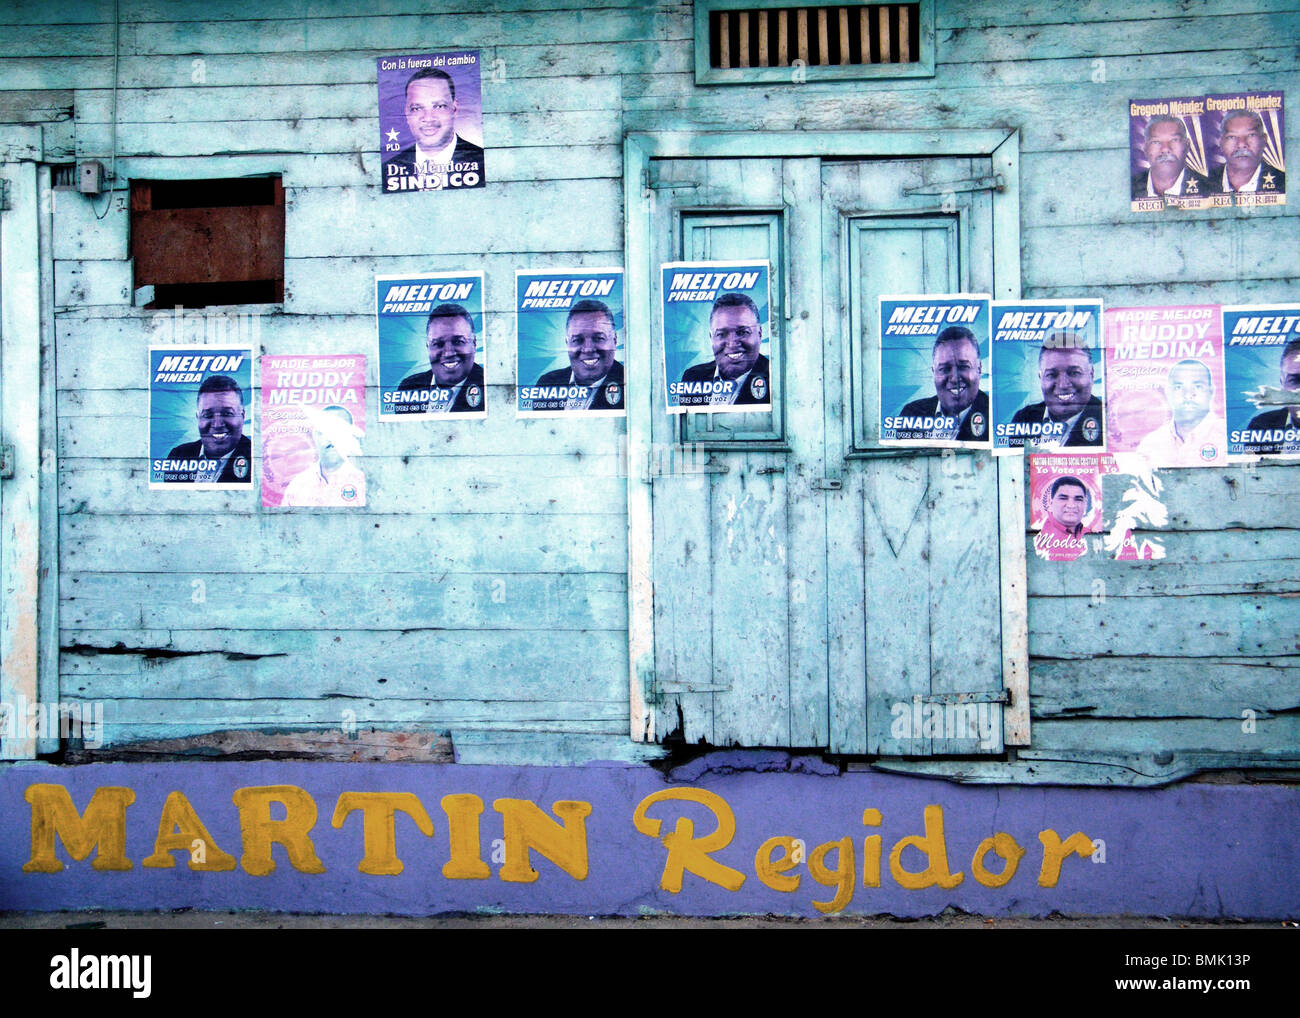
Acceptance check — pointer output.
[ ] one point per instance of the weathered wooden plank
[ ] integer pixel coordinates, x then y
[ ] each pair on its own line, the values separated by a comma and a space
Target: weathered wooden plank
201, 102
597, 59
1163, 687
1117, 769
344, 135
545, 486
488, 542
422, 664
36, 106
120, 436
1251, 625
344, 601
1195, 563
357, 745
993, 13
548, 749
84, 284
170, 11
382, 32
361, 169
1171, 250
1119, 36
1279, 734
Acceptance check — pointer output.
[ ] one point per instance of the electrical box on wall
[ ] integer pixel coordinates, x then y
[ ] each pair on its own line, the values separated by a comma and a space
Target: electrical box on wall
90, 177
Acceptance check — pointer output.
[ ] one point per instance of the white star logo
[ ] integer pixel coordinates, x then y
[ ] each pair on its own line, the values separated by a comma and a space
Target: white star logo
392, 134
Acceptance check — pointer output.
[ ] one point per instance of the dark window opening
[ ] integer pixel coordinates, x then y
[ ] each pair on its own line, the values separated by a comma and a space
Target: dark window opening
200, 243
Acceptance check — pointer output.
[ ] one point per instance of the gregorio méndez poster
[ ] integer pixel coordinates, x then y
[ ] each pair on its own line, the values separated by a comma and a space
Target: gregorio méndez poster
1261, 353
313, 424
1164, 385
934, 376
200, 417
570, 343
1207, 151
1048, 376
431, 346
431, 122
717, 342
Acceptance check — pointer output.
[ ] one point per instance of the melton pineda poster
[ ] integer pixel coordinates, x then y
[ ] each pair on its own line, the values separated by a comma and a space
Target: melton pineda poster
717, 339
431, 346
570, 343
1048, 381
934, 376
201, 417
1261, 354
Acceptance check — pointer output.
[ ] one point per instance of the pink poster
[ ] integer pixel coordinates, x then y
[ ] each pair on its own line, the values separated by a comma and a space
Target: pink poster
1164, 385
314, 420
1065, 502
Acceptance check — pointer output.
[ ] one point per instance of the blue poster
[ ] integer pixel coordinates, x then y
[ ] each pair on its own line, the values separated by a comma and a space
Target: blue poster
717, 346
431, 346
569, 343
1048, 383
934, 356
201, 417
1261, 348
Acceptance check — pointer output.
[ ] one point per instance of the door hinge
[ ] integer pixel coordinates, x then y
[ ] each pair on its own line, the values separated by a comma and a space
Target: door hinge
681, 463
6, 462
827, 484
5, 204
993, 183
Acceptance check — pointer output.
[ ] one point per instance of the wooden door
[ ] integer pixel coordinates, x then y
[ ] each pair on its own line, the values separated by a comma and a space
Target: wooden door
809, 588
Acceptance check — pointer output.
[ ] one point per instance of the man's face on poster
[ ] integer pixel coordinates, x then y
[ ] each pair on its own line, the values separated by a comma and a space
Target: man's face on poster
736, 337
431, 112
591, 340
1166, 149
1068, 505
221, 422
331, 433
451, 349
1189, 391
1066, 378
956, 370
1242, 145
1290, 378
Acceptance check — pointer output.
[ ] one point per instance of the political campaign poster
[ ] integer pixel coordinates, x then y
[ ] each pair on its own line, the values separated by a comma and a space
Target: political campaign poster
431, 346
1247, 148
1207, 151
1048, 376
431, 122
201, 417
934, 370
569, 343
718, 355
313, 424
1261, 358
1168, 161
1165, 385
1065, 502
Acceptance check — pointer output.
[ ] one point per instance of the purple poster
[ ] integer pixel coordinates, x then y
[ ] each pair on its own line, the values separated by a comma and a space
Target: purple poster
1207, 151
431, 122
313, 421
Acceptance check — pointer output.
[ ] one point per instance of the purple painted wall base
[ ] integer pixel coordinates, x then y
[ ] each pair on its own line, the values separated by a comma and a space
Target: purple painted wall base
1193, 850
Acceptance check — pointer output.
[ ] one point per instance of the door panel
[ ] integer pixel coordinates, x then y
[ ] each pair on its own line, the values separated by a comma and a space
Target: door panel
739, 624
914, 588
806, 581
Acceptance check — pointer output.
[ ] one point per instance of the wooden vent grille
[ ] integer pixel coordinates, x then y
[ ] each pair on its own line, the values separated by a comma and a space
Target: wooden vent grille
847, 35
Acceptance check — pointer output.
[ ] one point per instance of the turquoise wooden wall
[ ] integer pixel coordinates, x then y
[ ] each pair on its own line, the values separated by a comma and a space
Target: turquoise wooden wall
195, 612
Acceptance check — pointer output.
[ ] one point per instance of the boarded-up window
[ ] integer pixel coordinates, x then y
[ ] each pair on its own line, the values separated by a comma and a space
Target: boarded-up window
740, 41
203, 242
